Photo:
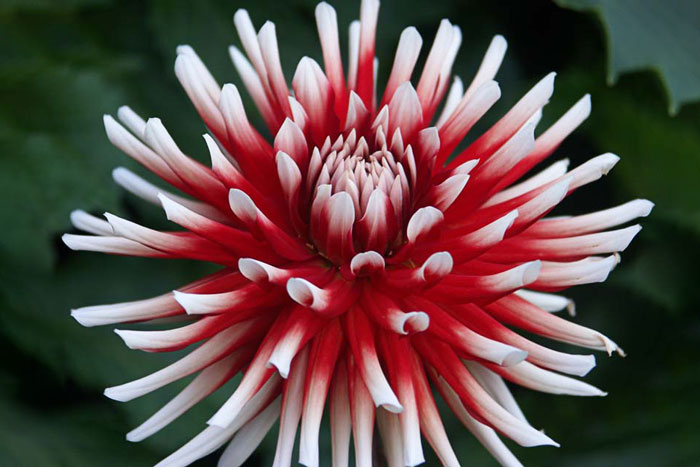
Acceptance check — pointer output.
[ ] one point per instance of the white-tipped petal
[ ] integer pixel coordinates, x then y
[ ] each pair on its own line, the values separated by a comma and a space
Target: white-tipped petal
555, 134
253, 85
353, 52
81, 220
536, 378
138, 310
366, 263
204, 384
423, 221
483, 433
257, 271
267, 38
405, 59
305, 293
248, 37
213, 437
249, 437
405, 110
551, 173
112, 245
132, 121
490, 63
546, 301
437, 266
204, 355
242, 206
454, 96
496, 387
593, 169
410, 322
444, 194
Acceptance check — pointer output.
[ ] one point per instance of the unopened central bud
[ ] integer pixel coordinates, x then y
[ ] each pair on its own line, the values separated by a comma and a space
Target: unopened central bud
367, 176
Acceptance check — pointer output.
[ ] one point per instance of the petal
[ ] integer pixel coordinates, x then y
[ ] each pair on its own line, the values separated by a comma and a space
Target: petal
361, 339
249, 437
322, 359
489, 64
362, 412
548, 141
208, 381
475, 398
213, 437
211, 351
327, 25
405, 111
267, 38
369, 12
483, 433
341, 419
255, 88
292, 402
405, 60
511, 122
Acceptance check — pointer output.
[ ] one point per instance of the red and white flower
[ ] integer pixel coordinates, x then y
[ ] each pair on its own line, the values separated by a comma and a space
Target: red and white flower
366, 261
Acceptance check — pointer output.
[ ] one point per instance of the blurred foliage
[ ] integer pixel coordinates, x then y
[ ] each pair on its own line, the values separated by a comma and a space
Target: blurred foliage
65, 63
652, 34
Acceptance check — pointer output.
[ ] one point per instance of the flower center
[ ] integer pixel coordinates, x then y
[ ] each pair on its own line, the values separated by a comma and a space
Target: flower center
368, 176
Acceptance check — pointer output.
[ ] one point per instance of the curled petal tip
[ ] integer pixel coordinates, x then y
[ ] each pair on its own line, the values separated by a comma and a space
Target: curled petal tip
617, 259
437, 266
392, 406
513, 357
282, 366
242, 206
302, 291
253, 270
423, 221
530, 271
415, 321
187, 301
366, 263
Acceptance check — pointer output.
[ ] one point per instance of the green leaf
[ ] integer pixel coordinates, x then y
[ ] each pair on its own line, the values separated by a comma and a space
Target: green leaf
13, 6
53, 158
52, 422
79, 435
652, 35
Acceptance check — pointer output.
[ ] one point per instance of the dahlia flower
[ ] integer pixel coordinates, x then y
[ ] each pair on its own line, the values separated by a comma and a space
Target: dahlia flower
367, 260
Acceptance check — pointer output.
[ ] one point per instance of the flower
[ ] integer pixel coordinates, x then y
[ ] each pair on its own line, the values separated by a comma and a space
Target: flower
366, 260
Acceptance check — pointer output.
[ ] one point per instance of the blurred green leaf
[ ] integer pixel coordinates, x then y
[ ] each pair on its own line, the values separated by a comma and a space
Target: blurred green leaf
53, 161
14, 6
78, 435
652, 34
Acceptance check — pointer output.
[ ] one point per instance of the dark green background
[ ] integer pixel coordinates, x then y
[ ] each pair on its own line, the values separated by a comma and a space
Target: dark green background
63, 64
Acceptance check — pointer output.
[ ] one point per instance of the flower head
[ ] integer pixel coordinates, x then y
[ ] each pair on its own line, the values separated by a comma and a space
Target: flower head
366, 260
